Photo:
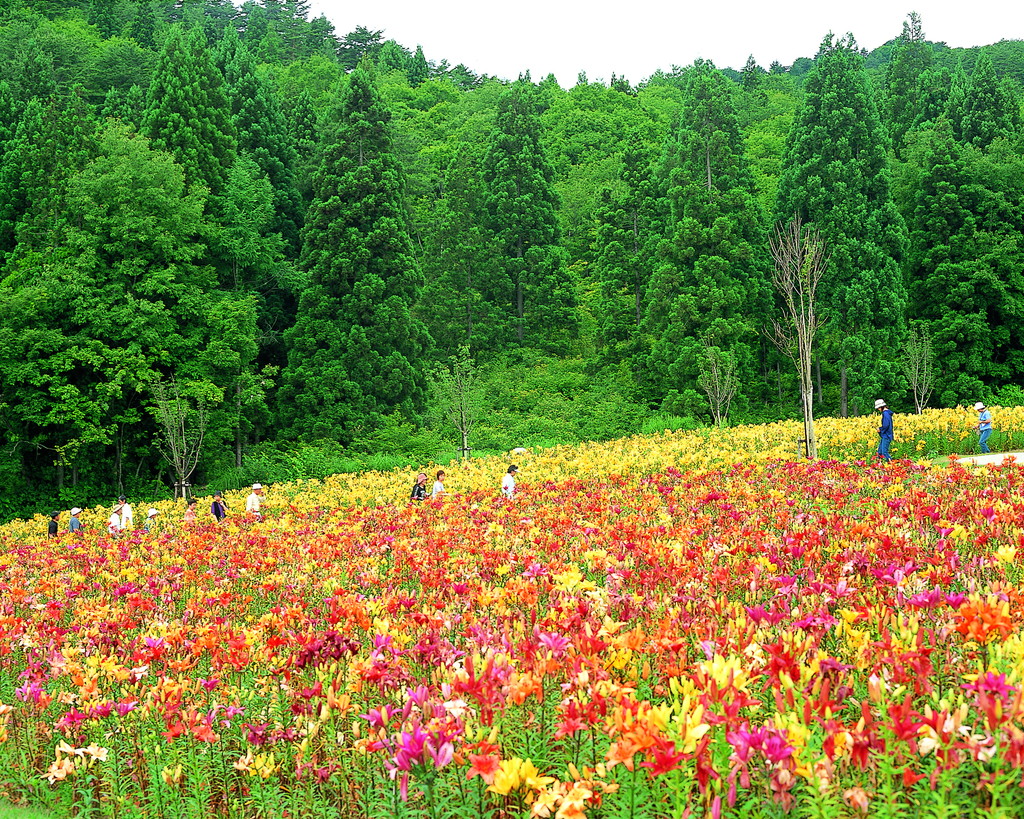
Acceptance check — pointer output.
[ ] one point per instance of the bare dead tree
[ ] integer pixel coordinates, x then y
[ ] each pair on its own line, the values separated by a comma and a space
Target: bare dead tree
919, 366
717, 378
800, 258
183, 419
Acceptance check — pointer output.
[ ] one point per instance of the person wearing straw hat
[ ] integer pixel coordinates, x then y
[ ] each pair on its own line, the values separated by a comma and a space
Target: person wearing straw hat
115, 524
984, 426
885, 431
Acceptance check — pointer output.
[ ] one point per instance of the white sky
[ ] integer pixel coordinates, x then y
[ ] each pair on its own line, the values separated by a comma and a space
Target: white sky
634, 38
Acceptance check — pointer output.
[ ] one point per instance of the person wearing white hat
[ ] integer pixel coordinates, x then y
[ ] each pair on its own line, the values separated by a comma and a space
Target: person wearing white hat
252, 503
150, 517
75, 525
984, 426
885, 431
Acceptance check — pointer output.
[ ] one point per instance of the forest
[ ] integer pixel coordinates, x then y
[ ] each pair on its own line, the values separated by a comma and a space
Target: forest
238, 245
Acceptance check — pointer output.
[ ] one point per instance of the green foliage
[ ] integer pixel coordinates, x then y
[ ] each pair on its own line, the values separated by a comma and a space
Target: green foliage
188, 114
509, 217
965, 264
990, 110
538, 400
355, 352
630, 223
532, 293
836, 176
710, 275
901, 102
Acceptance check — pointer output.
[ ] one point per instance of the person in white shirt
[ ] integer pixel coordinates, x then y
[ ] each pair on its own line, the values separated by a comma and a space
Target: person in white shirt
508, 483
127, 521
438, 484
115, 521
252, 503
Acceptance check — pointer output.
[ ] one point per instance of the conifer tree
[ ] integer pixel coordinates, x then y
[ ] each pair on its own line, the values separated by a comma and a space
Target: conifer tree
304, 134
712, 276
836, 176
187, 111
989, 109
356, 352
53, 140
628, 230
532, 290
458, 262
932, 94
128, 106
911, 57
965, 265
263, 135
418, 69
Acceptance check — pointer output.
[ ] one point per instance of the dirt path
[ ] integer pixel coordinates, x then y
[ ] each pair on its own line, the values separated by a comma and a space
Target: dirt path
992, 458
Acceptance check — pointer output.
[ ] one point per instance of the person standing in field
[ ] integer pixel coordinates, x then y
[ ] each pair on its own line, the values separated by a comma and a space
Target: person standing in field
218, 508
127, 519
52, 527
984, 426
885, 431
438, 489
75, 525
190, 511
419, 489
115, 522
252, 503
508, 483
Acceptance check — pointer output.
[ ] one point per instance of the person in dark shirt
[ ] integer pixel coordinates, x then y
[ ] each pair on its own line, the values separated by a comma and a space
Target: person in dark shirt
51, 527
218, 508
419, 489
885, 431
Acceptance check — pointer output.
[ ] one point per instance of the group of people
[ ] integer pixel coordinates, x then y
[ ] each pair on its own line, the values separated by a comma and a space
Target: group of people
219, 509
419, 489
886, 434
122, 517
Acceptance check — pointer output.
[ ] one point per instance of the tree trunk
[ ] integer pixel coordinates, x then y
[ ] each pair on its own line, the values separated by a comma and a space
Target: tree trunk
519, 311
843, 409
119, 461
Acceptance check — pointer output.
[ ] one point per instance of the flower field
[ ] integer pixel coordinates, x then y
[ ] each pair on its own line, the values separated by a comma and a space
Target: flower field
691, 624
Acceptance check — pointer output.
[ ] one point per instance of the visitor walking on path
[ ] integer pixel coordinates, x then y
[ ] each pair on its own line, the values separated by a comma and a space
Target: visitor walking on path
984, 427
885, 431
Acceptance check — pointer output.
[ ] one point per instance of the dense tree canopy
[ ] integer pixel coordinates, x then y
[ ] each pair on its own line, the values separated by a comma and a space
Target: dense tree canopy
299, 224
